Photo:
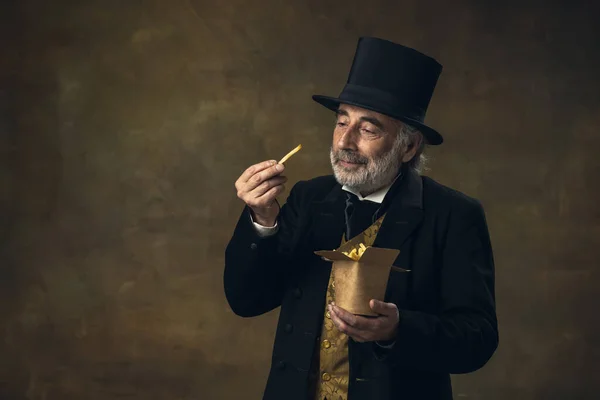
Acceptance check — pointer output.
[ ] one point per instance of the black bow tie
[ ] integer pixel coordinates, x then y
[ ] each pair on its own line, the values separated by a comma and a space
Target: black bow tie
359, 214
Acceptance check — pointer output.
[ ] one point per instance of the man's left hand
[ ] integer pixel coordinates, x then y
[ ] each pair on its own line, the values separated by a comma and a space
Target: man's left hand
362, 329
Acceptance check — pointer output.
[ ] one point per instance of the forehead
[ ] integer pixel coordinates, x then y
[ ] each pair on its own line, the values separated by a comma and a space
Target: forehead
358, 112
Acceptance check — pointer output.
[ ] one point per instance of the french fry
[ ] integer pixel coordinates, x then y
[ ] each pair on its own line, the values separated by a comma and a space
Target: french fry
361, 250
356, 253
291, 153
350, 253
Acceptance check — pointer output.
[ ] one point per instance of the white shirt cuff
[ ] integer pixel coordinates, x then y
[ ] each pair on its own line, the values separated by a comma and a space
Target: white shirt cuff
264, 231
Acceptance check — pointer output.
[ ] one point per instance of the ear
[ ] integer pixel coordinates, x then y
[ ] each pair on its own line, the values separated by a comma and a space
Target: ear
412, 148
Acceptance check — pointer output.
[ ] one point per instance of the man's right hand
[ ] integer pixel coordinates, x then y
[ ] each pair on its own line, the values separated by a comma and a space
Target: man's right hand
258, 187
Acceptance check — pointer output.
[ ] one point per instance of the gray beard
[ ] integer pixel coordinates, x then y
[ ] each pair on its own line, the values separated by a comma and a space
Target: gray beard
372, 175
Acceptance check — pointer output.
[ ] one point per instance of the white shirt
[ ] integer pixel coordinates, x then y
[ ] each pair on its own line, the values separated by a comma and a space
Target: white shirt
376, 197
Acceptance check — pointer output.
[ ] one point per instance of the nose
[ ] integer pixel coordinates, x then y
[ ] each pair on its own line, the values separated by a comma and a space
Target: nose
346, 139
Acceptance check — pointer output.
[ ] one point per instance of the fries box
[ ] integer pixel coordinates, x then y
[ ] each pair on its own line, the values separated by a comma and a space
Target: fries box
359, 281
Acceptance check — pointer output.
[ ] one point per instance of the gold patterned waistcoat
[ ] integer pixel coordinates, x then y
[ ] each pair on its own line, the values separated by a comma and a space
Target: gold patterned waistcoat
330, 372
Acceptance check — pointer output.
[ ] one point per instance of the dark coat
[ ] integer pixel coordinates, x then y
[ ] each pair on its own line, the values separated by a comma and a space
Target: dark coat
447, 302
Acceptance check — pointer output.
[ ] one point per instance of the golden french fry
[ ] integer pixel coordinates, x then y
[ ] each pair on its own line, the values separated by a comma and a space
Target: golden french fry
356, 253
291, 153
349, 254
361, 250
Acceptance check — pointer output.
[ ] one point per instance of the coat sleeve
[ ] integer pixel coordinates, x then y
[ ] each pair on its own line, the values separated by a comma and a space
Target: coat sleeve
255, 267
463, 336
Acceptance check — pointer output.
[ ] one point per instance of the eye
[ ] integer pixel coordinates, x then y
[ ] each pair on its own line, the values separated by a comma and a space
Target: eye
368, 131
340, 123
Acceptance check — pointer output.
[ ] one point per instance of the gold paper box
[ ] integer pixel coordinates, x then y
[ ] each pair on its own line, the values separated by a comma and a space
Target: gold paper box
357, 282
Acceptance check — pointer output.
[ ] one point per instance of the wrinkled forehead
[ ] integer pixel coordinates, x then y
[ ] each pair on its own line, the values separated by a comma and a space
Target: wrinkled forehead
356, 112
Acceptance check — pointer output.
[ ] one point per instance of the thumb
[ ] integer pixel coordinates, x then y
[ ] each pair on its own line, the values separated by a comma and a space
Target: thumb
380, 307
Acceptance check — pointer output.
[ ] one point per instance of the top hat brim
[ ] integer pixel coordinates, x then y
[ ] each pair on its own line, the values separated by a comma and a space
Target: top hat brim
431, 135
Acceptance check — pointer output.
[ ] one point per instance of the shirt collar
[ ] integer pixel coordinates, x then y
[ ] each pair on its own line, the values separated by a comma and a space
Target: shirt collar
376, 197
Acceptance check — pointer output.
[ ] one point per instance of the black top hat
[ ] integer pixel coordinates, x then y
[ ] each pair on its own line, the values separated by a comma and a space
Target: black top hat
390, 79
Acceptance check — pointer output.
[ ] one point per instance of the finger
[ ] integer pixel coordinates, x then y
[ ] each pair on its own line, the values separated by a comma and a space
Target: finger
266, 200
356, 321
253, 169
343, 327
348, 318
382, 308
267, 185
262, 176
351, 319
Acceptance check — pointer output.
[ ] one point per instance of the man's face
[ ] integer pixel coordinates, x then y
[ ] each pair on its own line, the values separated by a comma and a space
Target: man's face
366, 153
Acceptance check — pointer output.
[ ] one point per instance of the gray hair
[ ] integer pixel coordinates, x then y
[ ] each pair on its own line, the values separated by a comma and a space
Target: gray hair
408, 134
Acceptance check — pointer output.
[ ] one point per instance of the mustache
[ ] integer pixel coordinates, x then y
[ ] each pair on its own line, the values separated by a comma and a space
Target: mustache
350, 156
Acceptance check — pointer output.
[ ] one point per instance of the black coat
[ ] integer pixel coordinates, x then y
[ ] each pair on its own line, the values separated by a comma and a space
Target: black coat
447, 303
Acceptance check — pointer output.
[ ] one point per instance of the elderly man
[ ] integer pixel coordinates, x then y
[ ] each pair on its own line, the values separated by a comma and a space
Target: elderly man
436, 319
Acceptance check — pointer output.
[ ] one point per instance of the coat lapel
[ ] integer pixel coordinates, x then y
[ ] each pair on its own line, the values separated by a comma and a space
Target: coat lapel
403, 217
404, 213
328, 220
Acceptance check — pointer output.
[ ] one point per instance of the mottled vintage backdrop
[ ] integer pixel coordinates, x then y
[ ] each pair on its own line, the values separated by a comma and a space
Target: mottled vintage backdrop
123, 125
